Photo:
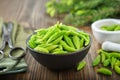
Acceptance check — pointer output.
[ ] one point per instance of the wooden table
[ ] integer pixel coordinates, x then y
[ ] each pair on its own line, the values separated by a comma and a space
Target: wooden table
31, 14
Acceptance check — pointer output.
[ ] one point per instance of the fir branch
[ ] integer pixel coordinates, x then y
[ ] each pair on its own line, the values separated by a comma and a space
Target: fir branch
82, 12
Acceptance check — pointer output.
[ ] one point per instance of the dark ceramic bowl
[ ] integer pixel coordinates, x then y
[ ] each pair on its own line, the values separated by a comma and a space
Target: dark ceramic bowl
59, 62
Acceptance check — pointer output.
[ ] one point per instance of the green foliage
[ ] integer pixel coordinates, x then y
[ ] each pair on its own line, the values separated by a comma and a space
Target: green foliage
83, 12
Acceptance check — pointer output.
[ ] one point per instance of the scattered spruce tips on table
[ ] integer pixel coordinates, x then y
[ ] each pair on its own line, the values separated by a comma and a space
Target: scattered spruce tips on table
108, 59
114, 27
59, 39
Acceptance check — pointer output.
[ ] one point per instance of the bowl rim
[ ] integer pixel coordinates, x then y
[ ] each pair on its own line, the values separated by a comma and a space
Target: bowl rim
94, 28
72, 53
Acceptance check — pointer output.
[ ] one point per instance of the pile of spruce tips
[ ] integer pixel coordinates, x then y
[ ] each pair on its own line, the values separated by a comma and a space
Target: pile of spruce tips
59, 39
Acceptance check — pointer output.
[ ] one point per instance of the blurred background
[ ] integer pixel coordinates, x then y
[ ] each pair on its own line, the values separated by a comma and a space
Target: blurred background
43, 13
83, 12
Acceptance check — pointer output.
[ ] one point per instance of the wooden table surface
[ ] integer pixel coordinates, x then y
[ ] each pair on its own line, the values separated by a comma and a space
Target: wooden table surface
31, 14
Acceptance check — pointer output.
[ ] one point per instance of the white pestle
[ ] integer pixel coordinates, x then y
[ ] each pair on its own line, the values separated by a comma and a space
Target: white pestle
111, 46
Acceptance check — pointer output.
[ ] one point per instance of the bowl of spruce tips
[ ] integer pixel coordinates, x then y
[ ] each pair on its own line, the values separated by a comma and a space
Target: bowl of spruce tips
59, 47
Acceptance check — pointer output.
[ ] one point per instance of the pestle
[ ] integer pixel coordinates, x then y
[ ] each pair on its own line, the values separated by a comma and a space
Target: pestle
111, 46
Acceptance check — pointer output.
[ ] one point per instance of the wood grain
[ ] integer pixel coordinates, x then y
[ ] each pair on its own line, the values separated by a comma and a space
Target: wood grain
31, 14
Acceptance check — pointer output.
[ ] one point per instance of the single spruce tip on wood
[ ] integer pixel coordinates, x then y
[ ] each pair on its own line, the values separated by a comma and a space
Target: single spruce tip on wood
104, 71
